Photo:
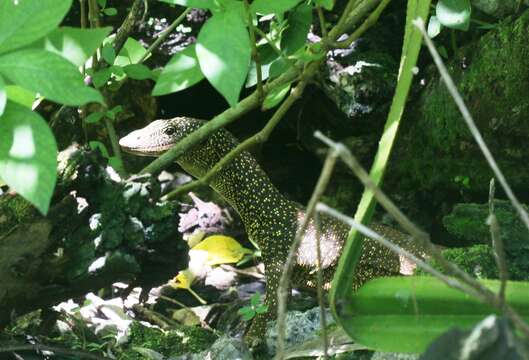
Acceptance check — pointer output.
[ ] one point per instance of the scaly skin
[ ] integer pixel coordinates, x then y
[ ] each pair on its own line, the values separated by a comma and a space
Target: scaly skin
270, 219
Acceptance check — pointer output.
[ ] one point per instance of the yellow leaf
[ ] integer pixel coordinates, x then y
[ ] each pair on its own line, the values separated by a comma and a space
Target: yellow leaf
183, 280
221, 249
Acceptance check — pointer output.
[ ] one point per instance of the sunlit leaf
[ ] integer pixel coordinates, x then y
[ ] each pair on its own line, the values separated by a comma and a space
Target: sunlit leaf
108, 53
48, 74
3, 95
23, 22
434, 27
275, 6
74, 44
276, 96
28, 155
223, 51
221, 249
20, 95
183, 280
137, 71
454, 14
181, 72
131, 53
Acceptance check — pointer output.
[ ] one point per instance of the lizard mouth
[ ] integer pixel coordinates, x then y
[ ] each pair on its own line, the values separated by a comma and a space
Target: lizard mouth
128, 145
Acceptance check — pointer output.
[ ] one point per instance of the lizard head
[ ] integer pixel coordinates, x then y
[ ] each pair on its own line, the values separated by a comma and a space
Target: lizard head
159, 136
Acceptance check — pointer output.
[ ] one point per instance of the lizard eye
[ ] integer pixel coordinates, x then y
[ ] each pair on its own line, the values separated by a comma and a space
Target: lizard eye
169, 131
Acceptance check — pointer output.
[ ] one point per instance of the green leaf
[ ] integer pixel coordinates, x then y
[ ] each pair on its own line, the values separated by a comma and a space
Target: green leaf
454, 14
255, 299
110, 11
101, 77
74, 44
295, 35
137, 71
20, 95
28, 155
326, 4
23, 22
181, 72
197, 4
224, 53
48, 74
276, 96
97, 145
273, 7
261, 309
94, 117
404, 314
247, 313
102, 3
3, 95
434, 27
267, 56
108, 53
131, 53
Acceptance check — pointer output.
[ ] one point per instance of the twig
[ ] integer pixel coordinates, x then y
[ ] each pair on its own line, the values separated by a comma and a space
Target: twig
163, 35
255, 53
370, 21
323, 318
114, 142
257, 138
39, 348
126, 28
452, 89
321, 18
282, 291
497, 243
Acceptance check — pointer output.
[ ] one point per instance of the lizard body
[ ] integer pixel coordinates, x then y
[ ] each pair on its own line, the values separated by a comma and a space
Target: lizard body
270, 219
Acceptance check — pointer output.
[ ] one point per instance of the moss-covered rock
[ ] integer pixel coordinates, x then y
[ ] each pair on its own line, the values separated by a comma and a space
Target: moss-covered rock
184, 339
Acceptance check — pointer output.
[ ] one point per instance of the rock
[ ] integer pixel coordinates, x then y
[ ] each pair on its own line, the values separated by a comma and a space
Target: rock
497, 8
225, 348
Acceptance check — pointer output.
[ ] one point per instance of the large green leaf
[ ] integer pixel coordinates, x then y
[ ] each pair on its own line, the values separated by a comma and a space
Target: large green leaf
20, 95
404, 314
22, 22
275, 6
454, 14
224, 53
28, 155
3, 95
295, 35
48, 74
74, 44
181, 72
198, 4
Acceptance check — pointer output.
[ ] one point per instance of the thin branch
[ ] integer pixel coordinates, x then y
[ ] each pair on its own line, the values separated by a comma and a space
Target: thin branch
321, 18
255, 53
257, 138
282, 291
497, 243
126, 28
114, 142
319, 287
57, 350
370, 21
452, 89
163, 35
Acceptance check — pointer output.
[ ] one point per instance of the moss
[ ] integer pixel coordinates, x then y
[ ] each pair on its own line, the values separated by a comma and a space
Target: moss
436, 147
13, 211
184, 339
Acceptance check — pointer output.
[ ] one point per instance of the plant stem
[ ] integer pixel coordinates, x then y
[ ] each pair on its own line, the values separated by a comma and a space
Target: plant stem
255, 53
497, 243
163, 35
114, 142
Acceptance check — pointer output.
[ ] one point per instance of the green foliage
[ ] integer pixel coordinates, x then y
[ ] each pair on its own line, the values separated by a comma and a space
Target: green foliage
256, 307
404, 314
295, 35
454, 14
198, 4
36, 57
181, 72
273, 7
28, 155
23, 22
224, 52
276, 96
